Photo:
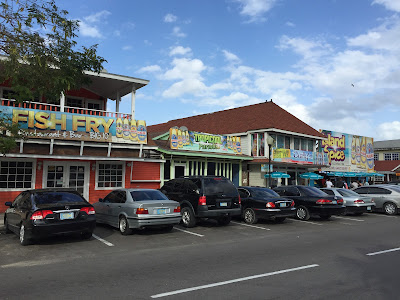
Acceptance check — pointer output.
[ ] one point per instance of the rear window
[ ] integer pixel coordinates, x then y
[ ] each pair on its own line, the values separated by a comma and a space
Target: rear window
148, 195
213, 186
57, 197
263, 193
348, 193
313, 191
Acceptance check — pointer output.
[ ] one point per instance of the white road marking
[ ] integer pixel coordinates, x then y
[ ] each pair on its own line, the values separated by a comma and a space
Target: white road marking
200, 235
346, 223
358, 220
101, 240
384, 251
307, 222
250, 225
379, 215
24, 264
231, 281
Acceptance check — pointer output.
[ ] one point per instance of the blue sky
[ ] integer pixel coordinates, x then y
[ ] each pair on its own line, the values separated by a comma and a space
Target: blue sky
335, 64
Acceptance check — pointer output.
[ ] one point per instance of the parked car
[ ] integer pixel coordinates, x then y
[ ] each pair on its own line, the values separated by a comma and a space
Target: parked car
386, 197
45, 212
128, 209
310, 200
204, 197
355, 203
264, 203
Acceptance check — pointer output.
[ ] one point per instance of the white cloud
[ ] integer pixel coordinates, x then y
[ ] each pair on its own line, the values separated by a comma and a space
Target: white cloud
229, 56
179, 50
170, 18
97, 17
176, 31
255, 9
290, 24
89, 30
184, 68
389, 131
389, 4
309, 49
186, 86
126, 48
150, 69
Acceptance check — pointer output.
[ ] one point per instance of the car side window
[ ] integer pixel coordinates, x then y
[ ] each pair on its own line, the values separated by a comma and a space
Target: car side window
280, 192
243, 193
17, 201
292, 191
179, 186
193, 186
329, 192
25, 201
379, 191
362, 191
120, 197
110, 197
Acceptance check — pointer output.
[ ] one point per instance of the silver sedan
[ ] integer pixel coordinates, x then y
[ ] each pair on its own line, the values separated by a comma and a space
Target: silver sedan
355, 203
128, 209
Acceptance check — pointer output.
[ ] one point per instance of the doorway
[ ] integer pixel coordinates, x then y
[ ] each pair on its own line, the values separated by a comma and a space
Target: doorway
180, 170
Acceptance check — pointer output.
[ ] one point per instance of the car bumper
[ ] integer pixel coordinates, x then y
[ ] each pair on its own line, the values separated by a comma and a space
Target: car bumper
43, 230
326, 210
270, 213
219, 212
148, 222
360, 208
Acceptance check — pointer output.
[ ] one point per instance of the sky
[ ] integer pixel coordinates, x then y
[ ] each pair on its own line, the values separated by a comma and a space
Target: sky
334, 64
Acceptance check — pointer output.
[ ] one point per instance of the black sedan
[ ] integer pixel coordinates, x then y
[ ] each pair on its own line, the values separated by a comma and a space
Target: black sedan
312, 201
46, 212
264, 203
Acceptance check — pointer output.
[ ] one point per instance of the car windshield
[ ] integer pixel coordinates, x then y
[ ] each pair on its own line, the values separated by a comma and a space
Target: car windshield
313, 191
218, 185
263, 193
57, 197
148, 195
348, 193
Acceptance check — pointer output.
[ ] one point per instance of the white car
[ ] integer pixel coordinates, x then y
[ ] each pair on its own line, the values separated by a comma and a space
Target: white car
355, 203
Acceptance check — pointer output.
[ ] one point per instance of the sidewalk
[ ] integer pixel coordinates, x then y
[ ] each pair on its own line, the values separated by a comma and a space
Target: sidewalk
1, 219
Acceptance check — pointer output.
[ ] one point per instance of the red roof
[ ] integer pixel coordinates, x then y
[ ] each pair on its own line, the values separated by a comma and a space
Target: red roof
266, 115
386, 165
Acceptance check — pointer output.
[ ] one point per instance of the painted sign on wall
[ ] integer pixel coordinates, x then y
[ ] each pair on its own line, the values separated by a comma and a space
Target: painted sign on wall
199, 141
67, 126
298, 156
348, 153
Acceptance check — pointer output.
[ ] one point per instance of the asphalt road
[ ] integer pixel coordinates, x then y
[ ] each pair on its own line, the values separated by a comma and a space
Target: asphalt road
336, 259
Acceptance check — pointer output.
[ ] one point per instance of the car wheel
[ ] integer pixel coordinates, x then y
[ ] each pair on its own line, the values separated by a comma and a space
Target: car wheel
302, 213
188, 218
86, 235
325, 217
6, 226
225, 220
22, 236
390, 208
280, 219
124, 226
249, 216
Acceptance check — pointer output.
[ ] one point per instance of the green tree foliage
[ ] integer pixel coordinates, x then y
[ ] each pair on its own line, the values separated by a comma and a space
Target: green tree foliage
40, 55
9, 132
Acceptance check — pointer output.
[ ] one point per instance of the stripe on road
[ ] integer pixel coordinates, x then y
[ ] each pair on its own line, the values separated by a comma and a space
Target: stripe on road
384, 251
103, 241
232, 281
200, 235
358, 220
307, 222
248, 225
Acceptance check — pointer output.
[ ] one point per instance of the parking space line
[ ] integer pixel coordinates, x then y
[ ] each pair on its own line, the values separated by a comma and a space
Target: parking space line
232, 281
103, 241
250, 225
358, 220
307, 222
200, 235
386, 216
346, 223
384, 251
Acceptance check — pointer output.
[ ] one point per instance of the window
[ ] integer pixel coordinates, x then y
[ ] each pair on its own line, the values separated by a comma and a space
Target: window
376, 156
261, 144
296, 143
388, 156
167, 170
73, 102
310, 145
109, 175
16, 174
304, 145
395, 156
280, 143
287, 142
391, 156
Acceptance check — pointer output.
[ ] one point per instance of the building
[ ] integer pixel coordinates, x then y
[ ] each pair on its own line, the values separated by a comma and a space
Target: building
387, 160
77, 143
293, 147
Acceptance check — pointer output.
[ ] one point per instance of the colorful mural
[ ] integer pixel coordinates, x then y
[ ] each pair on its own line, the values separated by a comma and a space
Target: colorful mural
299, 157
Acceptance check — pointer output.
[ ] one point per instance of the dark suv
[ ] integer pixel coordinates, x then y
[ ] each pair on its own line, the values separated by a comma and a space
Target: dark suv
204, 197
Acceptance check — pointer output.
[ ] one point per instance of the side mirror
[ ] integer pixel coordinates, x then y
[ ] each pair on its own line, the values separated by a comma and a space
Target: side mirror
8, 204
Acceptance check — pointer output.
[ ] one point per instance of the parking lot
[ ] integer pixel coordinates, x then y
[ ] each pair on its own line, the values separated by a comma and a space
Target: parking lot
332, 257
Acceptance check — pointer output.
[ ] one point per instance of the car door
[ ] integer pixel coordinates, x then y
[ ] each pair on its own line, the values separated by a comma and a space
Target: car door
293, 193
380, 195
106, 208
21, 207
116, 206
12, 215
244, 197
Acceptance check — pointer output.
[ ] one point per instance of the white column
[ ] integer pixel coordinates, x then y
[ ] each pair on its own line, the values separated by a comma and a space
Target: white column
62, 102
133, 99
117, 101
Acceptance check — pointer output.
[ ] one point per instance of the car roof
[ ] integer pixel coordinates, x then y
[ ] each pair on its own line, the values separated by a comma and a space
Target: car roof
50, 190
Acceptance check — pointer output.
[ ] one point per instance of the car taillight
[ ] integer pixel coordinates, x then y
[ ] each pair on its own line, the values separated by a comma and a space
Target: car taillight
358, 201
41, 214
178, 209
292, 204
142, 211
240, 200
324, 201
89, 210
340, 201
202, 200
270, 204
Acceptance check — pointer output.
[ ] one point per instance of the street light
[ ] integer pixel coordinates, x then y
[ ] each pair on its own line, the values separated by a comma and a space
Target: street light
270, 142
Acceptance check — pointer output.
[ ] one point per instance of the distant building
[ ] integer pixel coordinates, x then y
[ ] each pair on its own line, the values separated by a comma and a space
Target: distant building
387, 160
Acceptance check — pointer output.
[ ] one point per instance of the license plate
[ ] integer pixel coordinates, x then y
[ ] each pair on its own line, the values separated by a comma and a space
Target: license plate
368, 207
334, 202
223, 204
66, 216
283, 205
161, 211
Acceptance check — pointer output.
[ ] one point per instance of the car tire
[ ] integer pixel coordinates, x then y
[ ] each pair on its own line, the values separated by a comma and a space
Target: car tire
86, 235
280, 219
390, 208
325, 217
302, 213
249, 216
225, 220
6, 225
123, 226
23, 239
188, 218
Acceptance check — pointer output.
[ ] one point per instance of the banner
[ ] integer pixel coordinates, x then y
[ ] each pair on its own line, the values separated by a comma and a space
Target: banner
205, 142
299, 157
68, 126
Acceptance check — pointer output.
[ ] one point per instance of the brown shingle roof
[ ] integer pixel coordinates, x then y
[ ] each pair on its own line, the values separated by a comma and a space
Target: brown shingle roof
386, 165
241, 119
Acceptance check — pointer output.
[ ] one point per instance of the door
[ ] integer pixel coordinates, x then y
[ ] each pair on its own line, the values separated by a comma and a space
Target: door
67, 174
180, 170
